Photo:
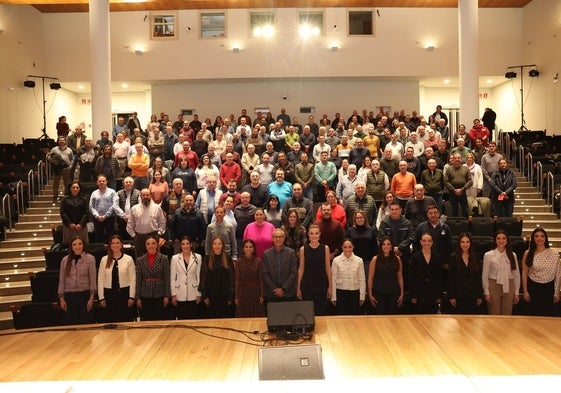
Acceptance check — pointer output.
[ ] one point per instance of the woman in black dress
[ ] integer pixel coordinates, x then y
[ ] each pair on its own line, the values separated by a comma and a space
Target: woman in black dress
385, 279
464, 279
425, 280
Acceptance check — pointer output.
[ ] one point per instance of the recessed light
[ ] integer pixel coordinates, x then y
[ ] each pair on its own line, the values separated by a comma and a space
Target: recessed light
446, 81
124, 86
489, 81
81, 87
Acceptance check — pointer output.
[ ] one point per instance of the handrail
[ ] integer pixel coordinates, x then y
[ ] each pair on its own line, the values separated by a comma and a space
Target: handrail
507, 147
530, 167
539, 177
19, 190
521, 162
30, 185
9, 215
551, 191
40, 174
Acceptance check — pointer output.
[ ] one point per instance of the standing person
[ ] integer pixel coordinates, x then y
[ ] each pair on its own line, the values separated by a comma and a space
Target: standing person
60, 158
385, 279
425, 280
102, 206
465, 292
457, 180
503, 184
116, 282
208, 198
325, 173
62, 127
489, 165
489, 117
217, 280
225, 231
348, 281
75, 215
248, 283
77, 284
139, 163
260, 232
146, 219
363, 237
279, 271
153, 287
332, 232
273, 213
185, 279
501, 277
296, 235
541, 275
159, 188
188, 221
314, 272
127, 197
107, 165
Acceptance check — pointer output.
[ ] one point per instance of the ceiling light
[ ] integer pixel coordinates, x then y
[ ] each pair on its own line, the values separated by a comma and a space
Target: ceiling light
489, 81
124, 86
81, 87
446, 81
236, 50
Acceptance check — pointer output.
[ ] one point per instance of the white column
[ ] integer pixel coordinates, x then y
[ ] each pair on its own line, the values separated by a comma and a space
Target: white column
468, 24
100, 48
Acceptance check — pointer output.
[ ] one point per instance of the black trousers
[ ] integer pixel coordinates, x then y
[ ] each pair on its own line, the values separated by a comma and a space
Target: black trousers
319, 299
348, 302
387, 303
77, 312
152, 309
117, 309
541, 298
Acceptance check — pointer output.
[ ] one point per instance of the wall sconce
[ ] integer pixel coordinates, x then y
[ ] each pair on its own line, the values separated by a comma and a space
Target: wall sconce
430, 48
138, 52
236, 50
334, 48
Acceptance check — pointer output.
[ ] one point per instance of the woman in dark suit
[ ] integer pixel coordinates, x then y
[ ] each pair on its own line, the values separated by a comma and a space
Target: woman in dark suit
217, 281
425, 282
464, 279
74, 211
153, 288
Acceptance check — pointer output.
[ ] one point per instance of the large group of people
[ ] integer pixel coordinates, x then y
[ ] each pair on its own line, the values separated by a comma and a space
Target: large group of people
229, 215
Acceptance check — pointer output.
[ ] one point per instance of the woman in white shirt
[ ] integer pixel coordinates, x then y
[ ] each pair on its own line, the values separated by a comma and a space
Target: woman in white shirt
384, 209
117, 282
348, 281
541, 275
501, 277
185, 275
476, 177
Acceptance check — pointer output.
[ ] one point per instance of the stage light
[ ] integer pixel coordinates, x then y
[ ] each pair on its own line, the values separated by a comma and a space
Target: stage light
510, 75
30, 84
55, 86
533, 73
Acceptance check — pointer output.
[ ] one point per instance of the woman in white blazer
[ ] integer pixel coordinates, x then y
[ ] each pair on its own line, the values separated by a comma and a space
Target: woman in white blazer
185, 275
116, 282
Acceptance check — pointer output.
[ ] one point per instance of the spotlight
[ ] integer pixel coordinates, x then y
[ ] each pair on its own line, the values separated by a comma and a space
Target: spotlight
55, 86
534, 73
30, 84
510, 75
236, 50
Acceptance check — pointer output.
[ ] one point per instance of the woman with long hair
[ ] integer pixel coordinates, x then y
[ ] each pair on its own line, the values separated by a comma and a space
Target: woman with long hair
158, 187
501, 277
348, 281
204, 170
425, 282
158, 164
296, 234
116, 282
260, 232
541, 275
185, 273
273, 213
184, 172
465, 292
152, 282
384, 209
364, 239
75, 213
385, 279
314, 272
248, 283
77, 284
217, 281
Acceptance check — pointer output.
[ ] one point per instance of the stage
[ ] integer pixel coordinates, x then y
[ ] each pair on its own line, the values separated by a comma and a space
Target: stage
464, 353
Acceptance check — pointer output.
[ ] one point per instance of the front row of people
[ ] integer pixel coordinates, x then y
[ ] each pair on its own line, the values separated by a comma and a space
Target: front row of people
218, 287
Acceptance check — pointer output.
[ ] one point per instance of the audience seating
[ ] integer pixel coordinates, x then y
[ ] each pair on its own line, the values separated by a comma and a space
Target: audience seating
36, 315
44, 286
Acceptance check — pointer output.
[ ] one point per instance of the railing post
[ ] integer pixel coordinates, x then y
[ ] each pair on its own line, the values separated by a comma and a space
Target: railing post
539, 177
30, 185
530, 168
5, 199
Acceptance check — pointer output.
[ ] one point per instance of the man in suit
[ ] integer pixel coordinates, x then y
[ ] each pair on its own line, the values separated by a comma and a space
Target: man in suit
279, 271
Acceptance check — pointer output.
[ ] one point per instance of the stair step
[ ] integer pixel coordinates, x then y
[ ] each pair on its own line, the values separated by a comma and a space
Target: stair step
23, 264
30, 242
30, 226
20, 254
15, 288
531, 202
44, 216
25, 234
13, 300
527, 208
18, 275
43, 204
6, 320
42, 210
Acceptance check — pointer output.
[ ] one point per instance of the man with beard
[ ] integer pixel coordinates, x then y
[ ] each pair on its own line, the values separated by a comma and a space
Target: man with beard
146, 218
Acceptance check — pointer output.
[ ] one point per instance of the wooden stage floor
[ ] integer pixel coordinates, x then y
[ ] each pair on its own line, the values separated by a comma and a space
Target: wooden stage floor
466, 353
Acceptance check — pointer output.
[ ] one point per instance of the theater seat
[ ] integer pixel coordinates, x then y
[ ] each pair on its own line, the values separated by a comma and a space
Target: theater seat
44, 286
36, 315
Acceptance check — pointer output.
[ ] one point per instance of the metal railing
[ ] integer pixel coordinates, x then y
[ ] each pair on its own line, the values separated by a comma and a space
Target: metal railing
41, 175
530, 169
19, 198
539, 177
550, 196
30, 185
521, 163
7, 199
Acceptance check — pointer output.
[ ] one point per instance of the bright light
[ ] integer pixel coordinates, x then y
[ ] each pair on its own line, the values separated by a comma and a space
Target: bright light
124, 86
307, 31
489, 81
446, 81
81, 87
266, 31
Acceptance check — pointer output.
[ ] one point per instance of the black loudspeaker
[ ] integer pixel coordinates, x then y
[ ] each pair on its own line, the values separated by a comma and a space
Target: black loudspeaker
290, 362
291, 316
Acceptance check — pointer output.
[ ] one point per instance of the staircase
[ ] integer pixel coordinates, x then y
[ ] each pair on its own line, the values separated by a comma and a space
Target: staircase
22, 253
